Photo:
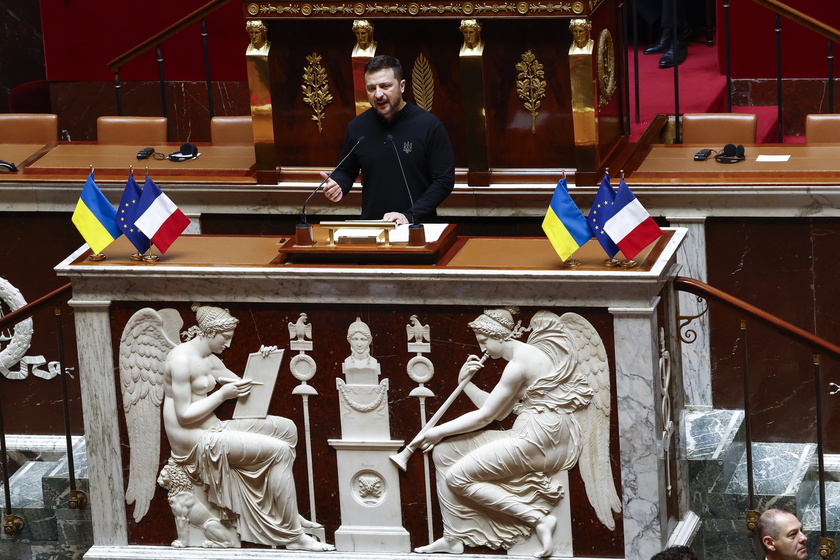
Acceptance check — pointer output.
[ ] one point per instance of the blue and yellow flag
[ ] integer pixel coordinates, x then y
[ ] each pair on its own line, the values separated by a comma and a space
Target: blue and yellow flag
95, 218
564, 225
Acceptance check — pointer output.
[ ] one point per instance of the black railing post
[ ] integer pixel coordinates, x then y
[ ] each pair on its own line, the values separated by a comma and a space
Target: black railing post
830, 76
162, 82
779, 77
675, 45
745, 365
7, 493
118, 88
727, 56
207, 68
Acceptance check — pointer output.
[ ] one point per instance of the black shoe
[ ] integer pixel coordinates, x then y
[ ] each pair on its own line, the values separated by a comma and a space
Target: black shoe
662, 44
667, 60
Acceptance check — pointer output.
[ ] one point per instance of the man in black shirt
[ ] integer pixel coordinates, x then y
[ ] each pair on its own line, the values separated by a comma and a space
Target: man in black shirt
405, 158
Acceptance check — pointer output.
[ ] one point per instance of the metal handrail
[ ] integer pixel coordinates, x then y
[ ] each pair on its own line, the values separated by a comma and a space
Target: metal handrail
170, 31
708, 292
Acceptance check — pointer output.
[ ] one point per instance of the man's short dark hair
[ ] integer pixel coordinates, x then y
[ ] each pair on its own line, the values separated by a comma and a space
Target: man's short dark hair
675, 553
384, 62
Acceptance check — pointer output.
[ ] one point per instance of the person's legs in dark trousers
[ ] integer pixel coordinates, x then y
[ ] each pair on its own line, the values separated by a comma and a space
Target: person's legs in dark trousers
669, 12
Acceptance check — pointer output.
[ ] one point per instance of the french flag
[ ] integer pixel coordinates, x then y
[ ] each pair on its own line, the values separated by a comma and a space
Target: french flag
159, 218
630, 227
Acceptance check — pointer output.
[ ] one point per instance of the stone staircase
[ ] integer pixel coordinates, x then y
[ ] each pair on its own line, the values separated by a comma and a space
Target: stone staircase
784, 476
40, 490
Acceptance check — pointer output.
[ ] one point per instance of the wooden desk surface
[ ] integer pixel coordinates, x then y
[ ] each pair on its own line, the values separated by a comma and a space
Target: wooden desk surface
19, 153
675, 163
226, 161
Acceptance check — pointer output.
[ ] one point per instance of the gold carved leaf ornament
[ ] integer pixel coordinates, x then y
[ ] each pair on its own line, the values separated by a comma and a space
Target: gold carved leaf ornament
423, 83
316, 88
530, 85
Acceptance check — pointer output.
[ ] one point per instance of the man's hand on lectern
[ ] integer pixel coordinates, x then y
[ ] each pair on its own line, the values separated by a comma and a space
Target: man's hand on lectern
395, 217
332, 190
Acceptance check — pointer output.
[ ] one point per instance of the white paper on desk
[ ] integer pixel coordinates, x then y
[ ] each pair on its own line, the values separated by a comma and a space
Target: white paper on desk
768, 157
433, 232
357, 233
263, 370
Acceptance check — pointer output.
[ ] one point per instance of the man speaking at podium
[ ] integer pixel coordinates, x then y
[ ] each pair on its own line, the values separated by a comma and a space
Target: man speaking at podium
403, 152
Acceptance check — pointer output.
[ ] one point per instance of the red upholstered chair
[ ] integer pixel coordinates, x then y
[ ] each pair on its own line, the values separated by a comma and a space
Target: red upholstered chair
133, 131
28, 128
234, 131
822, 129
718, 129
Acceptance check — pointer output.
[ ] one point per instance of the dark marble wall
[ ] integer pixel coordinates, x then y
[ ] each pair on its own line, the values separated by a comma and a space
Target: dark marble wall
788, 268
800, 97
79, 104
21, 46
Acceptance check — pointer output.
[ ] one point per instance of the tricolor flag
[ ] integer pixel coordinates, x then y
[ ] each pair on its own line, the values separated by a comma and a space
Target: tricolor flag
563, 224
631, 227
158, 217
127, 214
602, 210
95, 218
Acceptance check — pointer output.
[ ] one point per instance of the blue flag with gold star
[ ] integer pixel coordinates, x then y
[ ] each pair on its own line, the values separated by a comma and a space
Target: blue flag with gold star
601, 211
127, 213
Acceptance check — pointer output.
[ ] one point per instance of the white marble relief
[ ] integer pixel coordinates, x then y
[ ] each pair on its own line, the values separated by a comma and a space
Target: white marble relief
369, 485
495, 486
243, 466
15, 342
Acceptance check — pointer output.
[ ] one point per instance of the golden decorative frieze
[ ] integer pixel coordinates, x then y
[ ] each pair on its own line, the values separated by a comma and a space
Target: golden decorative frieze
316, 88
530, 85
500, 8
423, 83
606, 68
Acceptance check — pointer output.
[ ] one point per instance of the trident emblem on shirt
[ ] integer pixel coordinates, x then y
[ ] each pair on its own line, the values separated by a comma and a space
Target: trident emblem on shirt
407, 147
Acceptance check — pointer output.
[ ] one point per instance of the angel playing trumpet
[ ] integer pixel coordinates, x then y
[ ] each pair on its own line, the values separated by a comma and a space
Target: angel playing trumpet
495, 486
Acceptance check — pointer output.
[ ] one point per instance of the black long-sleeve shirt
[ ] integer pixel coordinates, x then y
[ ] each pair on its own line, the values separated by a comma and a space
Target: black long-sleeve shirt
419, 142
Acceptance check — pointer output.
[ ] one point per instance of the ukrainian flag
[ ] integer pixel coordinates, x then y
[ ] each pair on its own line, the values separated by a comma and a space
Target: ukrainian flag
564, 225
95, 218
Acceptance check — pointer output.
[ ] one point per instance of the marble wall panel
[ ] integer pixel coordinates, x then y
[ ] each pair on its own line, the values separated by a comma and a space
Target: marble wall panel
800, 97
789, 272
79, 104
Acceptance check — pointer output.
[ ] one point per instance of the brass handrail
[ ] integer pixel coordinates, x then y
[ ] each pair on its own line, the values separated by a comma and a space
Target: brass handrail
805, 20
158, 38
704, 290
30, 308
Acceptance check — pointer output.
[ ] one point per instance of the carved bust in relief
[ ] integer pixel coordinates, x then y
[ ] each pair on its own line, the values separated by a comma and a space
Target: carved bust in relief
365, 45
259, 37
359, 337
581, 41
471, 30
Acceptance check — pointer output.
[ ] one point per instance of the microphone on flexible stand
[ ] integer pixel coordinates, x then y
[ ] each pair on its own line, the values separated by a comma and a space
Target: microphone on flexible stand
416, 232
303, 231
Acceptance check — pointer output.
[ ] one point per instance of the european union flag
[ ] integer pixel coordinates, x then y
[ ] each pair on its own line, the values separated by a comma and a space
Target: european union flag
127, 213
602, 210
563, 224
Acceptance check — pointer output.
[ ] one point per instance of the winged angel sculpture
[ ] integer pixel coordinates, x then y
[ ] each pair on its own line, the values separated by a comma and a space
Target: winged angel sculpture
225, 477
494, 486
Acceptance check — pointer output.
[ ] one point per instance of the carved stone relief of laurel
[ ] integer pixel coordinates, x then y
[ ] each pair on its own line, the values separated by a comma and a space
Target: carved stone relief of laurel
423, 83
530, 85
606, 68
316, 88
